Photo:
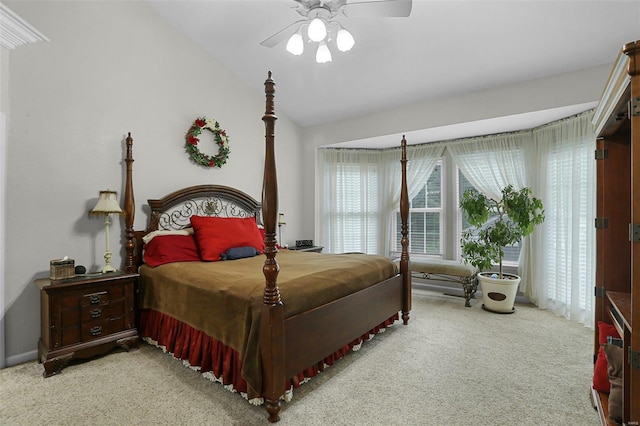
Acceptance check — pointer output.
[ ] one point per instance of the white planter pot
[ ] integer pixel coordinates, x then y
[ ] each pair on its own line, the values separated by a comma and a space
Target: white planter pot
498, 295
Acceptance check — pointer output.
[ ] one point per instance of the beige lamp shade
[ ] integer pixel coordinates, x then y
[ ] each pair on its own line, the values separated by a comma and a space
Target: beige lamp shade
107, 204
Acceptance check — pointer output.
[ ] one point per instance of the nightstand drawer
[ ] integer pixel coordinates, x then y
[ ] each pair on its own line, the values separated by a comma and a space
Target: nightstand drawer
88, 313
86, 332
96, 312
100, 297
96, 329
91, 297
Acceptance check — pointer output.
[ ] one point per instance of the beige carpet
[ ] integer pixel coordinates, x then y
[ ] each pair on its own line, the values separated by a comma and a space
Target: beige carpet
451, 366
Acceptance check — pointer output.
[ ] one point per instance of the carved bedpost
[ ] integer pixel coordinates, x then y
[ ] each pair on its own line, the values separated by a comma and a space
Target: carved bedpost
404, 217
130, 210
272, 321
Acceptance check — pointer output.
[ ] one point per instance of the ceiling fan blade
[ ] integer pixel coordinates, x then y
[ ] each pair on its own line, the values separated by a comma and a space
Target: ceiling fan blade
381, 8
282, 35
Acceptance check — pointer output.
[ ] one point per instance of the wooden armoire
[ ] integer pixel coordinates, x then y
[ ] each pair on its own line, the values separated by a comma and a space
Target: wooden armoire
617, 126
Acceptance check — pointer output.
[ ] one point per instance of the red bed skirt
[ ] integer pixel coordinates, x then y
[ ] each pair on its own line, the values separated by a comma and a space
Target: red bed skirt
208, 355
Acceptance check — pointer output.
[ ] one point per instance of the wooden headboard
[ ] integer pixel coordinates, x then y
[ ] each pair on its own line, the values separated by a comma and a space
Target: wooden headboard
174, 211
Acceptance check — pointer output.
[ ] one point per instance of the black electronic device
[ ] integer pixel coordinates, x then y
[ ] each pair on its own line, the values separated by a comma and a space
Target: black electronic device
304, 243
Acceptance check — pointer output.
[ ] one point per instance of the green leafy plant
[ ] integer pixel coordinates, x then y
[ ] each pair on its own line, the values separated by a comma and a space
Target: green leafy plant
517, 214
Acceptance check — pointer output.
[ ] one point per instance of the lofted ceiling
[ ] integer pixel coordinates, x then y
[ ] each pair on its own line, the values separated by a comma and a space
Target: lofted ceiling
444, 48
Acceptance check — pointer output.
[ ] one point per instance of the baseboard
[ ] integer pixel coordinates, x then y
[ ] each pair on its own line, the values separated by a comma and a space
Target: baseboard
22, 358
453, 289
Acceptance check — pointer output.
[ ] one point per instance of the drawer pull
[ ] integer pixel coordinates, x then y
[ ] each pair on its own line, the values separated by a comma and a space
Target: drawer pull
95, 313
94, 299
96, 331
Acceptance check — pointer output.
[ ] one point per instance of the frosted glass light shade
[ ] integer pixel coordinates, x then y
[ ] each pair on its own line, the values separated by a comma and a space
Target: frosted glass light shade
317, 30
323, 54
344, 40
295, 45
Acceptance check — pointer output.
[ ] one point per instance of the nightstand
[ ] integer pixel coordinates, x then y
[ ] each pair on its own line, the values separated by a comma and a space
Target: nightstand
316, 249
85, 316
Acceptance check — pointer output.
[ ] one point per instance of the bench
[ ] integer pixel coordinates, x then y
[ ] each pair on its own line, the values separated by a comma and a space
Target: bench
448, 270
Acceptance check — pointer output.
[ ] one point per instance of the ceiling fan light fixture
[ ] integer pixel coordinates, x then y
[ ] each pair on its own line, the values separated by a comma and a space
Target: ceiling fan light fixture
317, 30
295, 45
323, 54
344, 40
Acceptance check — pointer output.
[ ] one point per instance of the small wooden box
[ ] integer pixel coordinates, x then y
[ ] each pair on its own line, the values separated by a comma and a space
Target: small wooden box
62, 268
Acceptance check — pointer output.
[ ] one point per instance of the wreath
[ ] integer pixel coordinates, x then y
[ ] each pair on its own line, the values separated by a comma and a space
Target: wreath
220, 137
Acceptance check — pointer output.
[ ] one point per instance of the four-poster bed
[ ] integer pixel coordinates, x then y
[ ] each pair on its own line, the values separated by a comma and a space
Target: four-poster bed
271, 321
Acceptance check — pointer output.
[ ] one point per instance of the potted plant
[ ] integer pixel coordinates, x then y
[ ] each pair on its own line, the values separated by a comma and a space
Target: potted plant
513, 217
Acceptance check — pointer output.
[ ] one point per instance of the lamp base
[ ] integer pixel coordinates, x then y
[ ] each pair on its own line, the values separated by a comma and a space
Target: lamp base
108, 268
107, 258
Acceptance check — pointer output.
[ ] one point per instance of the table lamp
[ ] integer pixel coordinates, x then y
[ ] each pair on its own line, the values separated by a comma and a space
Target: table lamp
107, 204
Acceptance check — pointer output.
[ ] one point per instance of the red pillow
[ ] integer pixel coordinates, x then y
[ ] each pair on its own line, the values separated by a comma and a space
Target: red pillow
216, 235
600, 378
171, 248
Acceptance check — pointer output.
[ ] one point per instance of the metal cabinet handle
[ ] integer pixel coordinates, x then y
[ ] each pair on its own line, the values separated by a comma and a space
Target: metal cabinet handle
95, 313
96, 331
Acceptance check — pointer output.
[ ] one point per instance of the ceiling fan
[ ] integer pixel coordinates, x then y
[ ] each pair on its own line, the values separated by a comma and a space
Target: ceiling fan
319, 23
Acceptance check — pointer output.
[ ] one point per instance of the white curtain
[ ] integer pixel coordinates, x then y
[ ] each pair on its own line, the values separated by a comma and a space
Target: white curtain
492, 162
350, 200
562, 171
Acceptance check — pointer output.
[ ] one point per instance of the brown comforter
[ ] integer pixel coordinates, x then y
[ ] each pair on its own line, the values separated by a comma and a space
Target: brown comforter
224, 299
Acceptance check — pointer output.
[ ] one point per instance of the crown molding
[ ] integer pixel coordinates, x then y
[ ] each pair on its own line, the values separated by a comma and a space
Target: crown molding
15, 31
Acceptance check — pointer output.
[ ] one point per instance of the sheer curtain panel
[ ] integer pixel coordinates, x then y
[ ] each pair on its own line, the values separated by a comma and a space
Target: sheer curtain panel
350, 200
562, 161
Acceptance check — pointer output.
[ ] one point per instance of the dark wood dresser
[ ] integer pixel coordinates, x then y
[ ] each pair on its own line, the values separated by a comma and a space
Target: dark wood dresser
85, 316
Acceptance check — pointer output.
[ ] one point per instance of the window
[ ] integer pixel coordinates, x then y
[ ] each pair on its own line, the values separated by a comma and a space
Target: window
569, 169
352, 211
428, 222
425, 218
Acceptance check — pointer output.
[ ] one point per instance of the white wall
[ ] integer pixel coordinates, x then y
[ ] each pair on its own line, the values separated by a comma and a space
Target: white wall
112, 68
4, 110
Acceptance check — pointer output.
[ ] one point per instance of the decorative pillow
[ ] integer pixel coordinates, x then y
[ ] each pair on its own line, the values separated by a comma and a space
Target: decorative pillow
215, 235
600, 380
239, 253
163, 249
614, 373
151, 235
